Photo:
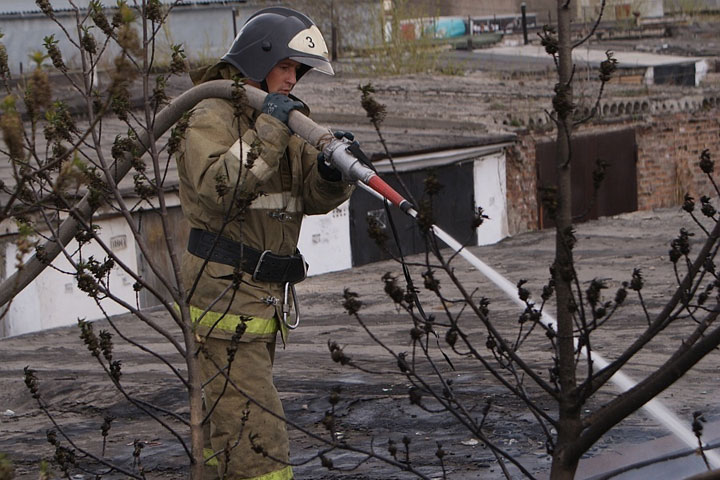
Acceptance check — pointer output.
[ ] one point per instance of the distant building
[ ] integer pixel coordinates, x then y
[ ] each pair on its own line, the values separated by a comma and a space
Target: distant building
25, 7
684, 6
205, 28
24, 27
545, 10
620, 9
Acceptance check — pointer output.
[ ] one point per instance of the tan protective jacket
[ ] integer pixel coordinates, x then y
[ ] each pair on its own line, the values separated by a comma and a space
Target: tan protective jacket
286, 173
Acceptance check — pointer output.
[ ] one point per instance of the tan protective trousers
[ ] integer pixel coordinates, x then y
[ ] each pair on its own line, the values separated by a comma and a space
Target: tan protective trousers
235, 418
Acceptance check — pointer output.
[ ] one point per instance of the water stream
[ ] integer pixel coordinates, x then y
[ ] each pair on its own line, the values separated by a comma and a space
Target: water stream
654, 407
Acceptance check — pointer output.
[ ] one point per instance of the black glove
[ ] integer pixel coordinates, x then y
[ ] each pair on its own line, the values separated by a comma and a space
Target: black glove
280, 106
339, 134
327, 172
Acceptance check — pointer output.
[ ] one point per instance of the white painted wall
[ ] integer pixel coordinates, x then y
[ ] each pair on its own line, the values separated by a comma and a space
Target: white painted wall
325, 241
588, 9
701, 70
653, 9
53, 298
490, 194
489, 182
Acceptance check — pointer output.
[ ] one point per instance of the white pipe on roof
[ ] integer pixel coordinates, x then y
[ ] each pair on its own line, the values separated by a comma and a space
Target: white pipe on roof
437, 159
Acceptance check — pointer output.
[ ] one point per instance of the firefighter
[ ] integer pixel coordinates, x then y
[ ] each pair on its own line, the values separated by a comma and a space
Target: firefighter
245, 215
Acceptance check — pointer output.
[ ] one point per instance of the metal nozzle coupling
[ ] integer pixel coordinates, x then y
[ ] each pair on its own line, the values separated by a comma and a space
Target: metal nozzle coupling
349, 166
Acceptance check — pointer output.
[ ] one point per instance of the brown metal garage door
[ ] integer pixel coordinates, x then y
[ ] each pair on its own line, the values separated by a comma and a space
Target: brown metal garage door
618, 191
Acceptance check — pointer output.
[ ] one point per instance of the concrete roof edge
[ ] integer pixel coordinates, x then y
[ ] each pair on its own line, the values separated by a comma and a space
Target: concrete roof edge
354, 119
499, 141
440, 158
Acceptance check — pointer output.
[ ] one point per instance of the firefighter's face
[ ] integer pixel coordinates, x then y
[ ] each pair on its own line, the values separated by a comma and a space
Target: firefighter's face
283, 77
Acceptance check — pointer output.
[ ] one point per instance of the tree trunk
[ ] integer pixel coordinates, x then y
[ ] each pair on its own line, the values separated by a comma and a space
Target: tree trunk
569, 426
196, 411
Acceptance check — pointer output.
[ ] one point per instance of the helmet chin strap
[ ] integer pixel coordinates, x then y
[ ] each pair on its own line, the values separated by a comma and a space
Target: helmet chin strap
264, 86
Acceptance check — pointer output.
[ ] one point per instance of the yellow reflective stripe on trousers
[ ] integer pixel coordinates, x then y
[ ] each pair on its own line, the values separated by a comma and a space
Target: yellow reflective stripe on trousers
229, 322
284, 474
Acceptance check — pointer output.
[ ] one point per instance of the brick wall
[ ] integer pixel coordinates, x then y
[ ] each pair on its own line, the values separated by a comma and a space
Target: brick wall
668, 153
669, 147
521, 182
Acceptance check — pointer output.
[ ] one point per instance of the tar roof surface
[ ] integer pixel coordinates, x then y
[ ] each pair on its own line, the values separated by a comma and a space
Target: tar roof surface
374, 408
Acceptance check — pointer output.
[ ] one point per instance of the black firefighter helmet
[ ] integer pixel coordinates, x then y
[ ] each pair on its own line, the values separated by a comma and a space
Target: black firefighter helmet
274, 34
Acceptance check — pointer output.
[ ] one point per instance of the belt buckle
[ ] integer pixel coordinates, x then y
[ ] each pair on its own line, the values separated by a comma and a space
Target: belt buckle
258, 265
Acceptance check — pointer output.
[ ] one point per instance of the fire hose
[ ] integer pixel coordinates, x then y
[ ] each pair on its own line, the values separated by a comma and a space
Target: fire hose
338, 150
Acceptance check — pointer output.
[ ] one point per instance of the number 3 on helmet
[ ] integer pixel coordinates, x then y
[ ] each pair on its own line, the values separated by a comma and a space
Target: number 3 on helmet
274, 34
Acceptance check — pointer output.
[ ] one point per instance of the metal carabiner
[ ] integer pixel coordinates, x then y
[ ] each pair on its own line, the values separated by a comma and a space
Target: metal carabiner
286, 307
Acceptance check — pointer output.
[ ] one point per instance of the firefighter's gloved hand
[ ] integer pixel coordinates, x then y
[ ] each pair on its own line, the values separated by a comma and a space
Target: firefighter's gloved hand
280, 106
339, 134
327, 172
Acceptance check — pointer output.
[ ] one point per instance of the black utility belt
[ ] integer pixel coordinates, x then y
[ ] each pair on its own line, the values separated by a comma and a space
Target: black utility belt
264, 266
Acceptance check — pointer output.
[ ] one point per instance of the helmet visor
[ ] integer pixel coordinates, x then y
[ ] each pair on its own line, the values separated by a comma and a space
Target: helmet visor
309, 48
319, 64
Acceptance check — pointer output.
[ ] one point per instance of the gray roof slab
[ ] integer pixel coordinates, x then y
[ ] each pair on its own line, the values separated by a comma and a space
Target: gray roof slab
591, 56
